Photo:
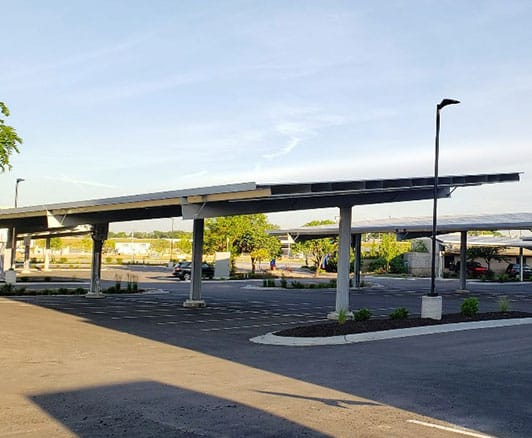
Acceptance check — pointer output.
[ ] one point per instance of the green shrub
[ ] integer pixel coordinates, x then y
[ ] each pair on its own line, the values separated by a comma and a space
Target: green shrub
7, 289
377, 265
503, 278
362, 315
332, 282
504, 304
62, 291
469, 307
342, 316
297, 285
284, 283
398, 265
399, 313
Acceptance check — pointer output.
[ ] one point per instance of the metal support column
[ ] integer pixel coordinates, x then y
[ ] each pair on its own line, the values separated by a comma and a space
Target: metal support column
46, 266
344, 246
9, 255
197, 258
27, 247
463, 261
521, 264
358, 258
99, 234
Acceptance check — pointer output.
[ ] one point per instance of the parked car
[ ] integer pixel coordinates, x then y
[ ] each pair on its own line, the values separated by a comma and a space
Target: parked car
514, 270
183, 270
473, 269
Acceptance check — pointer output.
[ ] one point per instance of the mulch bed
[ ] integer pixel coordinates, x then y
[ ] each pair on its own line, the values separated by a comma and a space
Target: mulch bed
373, 325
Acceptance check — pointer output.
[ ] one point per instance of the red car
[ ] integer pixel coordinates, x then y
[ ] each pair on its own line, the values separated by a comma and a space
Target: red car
474, 269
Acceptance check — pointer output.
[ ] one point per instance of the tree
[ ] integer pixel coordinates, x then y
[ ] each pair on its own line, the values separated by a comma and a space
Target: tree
388, 248
317, 223
184, 245
241, 234
9, 140
56, 243
160, 246
487, 253
319, 249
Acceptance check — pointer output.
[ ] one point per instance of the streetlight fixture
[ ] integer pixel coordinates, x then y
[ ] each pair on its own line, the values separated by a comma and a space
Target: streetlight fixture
19, 180
14, 233
439, 106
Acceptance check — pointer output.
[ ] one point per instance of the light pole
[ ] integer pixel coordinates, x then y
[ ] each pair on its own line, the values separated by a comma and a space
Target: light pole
439, 106
14, 233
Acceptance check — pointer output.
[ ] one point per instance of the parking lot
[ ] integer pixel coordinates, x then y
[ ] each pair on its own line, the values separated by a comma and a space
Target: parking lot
142, 364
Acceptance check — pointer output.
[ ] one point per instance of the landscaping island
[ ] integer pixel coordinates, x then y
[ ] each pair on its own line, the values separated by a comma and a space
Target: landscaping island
378, 324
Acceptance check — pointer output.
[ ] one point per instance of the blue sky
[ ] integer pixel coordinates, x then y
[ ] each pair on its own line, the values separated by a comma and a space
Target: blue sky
124, 97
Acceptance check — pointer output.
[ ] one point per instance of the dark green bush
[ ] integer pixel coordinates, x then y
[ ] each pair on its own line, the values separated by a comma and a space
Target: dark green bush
469, 307
399, 313
297, 285
377, 265
398, 265
362, 315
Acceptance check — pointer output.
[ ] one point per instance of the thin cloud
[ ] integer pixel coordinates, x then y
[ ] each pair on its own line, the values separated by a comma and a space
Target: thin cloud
68, 180
286, 150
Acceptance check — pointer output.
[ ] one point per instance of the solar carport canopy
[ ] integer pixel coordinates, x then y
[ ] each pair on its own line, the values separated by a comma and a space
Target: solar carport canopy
234, 199
420, 226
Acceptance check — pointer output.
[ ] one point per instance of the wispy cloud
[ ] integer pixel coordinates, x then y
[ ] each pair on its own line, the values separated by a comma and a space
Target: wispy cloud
285, 150
74, 181
299, 124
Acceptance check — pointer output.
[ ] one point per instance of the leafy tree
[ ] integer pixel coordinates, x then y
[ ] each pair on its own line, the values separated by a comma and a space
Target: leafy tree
241, 234
388, 248
260, 255
184, 245
317, 223
117, 235
86, 243
319, 249
109, 245
9, 140
160, 245
487, 253
56, 243
301, 248
484, 233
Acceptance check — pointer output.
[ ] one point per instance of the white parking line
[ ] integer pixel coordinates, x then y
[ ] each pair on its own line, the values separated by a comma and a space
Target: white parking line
450, 429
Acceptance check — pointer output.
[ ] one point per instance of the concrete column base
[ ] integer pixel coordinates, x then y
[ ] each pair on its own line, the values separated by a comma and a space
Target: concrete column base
194, 303
431, 307
334, 315
11, 276
94, 295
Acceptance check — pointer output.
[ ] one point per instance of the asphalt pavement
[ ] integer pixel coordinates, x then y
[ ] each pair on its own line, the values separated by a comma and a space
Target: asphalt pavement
142, 364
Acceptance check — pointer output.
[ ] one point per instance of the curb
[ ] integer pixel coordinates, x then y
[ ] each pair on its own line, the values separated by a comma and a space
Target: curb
272, 339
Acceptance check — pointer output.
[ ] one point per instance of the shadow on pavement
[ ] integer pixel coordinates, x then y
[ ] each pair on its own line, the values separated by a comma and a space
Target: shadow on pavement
152, 409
